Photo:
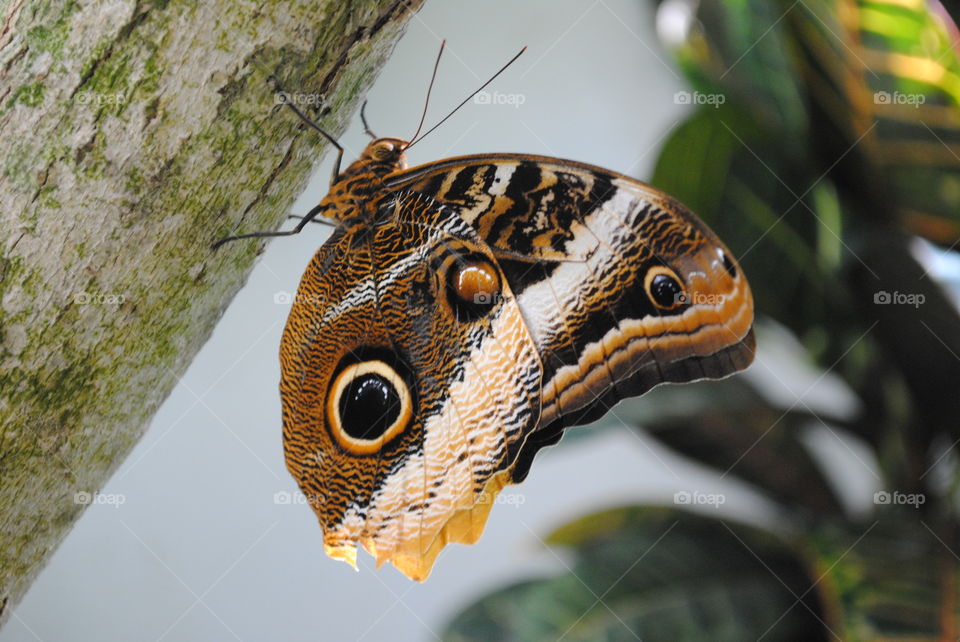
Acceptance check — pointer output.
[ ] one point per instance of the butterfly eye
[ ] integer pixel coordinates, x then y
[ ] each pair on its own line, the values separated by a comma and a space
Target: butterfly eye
664, 288
368, 405
382, 150
476, 284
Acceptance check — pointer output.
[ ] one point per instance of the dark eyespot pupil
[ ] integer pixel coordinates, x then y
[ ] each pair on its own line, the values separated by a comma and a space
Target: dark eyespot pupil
728, 265
369, 406
665, 291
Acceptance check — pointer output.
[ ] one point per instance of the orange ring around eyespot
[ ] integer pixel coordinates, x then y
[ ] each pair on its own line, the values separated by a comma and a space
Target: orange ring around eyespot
347, 375
656, 271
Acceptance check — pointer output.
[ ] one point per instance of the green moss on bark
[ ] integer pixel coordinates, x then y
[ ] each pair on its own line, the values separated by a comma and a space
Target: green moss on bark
126, 156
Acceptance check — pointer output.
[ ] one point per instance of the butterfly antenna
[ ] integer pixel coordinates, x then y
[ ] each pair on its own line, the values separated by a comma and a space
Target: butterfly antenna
363, 119
285, 99
464, 102
426, 103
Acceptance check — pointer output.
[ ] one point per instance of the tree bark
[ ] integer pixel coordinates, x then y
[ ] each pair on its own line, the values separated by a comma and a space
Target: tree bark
132, 135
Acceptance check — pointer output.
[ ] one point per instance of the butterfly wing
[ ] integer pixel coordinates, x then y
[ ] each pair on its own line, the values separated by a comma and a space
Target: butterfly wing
408, 404
405, 404
620, 286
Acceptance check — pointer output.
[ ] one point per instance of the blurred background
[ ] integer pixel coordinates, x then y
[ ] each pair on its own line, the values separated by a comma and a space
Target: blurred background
812, 497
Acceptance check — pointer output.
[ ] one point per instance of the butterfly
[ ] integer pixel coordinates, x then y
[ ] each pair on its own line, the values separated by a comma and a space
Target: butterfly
463, 313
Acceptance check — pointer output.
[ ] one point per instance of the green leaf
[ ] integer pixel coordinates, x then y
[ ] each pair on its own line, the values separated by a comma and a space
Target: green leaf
874, 83
655, 574
740, 49
893, 579
806, 203
727, 426
761, 203
884, 77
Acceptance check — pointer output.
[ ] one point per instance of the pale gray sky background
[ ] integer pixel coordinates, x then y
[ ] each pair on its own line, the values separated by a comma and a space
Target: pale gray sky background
199, 550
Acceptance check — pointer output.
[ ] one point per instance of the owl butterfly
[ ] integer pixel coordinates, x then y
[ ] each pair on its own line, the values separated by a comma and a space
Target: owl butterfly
463, 314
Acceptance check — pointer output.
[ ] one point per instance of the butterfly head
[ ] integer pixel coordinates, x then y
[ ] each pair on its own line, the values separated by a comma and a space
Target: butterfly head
386, 154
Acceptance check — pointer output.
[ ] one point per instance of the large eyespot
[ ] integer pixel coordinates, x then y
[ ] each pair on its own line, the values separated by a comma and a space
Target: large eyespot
368, 404
664, 288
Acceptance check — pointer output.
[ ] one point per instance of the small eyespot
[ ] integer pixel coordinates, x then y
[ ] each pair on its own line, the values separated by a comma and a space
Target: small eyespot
664, 288
368, 404
728, 264
473, 286
466, 280
476, 282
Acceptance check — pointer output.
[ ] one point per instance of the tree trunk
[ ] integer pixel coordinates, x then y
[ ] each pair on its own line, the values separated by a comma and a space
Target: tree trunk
132, 135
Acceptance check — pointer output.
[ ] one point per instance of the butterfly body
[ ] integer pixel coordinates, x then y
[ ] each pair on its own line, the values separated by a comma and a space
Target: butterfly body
464, 313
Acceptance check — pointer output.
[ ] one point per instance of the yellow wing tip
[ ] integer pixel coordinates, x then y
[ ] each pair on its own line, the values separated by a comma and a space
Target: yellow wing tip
343, 552
465, 526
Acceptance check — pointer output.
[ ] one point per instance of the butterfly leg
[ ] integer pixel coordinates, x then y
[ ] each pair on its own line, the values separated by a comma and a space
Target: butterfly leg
311, 215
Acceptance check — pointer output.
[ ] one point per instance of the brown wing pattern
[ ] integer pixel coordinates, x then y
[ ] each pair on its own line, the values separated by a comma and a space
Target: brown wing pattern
463, 314
468, 381
621, 287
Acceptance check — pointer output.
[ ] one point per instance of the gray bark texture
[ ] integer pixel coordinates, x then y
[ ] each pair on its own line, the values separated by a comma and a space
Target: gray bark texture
132, 135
